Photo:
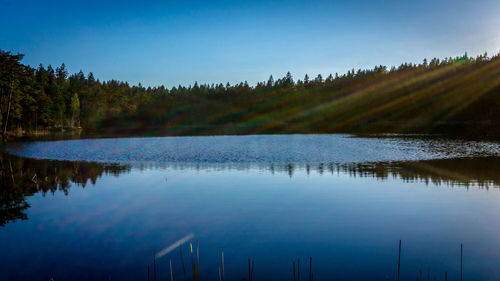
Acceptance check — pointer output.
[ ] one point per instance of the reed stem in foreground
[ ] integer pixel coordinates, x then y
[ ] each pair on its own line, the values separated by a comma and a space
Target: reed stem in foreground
182, 262
171, 273
223, 275
399, 260
154, 264
461, 254
298, 269
310, 268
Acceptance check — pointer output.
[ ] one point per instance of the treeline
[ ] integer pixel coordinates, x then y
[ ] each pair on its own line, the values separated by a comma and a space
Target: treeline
458, 95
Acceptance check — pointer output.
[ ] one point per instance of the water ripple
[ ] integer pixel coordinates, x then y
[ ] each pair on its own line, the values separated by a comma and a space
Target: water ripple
253, 149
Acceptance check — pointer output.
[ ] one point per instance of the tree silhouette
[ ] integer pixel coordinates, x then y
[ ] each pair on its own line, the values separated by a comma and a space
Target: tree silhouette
453, 95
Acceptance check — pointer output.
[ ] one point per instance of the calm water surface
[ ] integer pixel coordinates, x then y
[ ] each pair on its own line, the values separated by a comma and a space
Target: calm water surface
89, 209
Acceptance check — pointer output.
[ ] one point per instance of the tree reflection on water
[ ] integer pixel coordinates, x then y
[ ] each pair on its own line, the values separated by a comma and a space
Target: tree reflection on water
24, 177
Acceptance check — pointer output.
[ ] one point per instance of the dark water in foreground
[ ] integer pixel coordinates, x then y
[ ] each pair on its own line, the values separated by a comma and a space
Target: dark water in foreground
344, 201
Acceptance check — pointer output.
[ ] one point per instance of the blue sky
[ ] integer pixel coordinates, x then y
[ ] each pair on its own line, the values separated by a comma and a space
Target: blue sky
179, 42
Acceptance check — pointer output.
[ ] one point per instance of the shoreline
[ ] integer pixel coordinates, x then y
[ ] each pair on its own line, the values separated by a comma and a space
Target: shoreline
81, 133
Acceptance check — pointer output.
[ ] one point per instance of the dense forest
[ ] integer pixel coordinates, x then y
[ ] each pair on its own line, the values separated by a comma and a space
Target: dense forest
459, 96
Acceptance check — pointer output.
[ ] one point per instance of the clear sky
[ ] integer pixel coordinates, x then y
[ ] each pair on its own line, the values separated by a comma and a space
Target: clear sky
179, 42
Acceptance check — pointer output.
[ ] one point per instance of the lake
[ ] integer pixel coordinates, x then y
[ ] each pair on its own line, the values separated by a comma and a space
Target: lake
96, 208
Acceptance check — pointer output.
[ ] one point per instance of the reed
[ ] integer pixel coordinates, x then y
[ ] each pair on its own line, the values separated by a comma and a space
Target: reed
249, 273
182, 262
310, 268
171, 272
461, 254
154, 264
298, 269
223, 276
399, 260
192, 259
250, 270
193, 266
198, 258
251, 264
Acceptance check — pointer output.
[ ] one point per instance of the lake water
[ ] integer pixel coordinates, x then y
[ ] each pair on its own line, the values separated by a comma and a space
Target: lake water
93, 209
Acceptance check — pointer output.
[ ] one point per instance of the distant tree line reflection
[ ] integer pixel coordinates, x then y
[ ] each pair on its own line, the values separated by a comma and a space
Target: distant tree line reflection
23, 177
465, 171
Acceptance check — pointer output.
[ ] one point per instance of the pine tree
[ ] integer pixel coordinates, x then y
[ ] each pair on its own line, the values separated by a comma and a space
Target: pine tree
75, 110
270, 82
306, 79
289, 80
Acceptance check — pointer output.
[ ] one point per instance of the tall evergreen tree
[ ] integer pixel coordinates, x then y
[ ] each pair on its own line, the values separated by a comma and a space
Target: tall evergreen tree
75, 110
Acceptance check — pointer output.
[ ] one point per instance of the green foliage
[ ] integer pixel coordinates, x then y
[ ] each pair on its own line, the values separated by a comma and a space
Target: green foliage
455, 95
75, 108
